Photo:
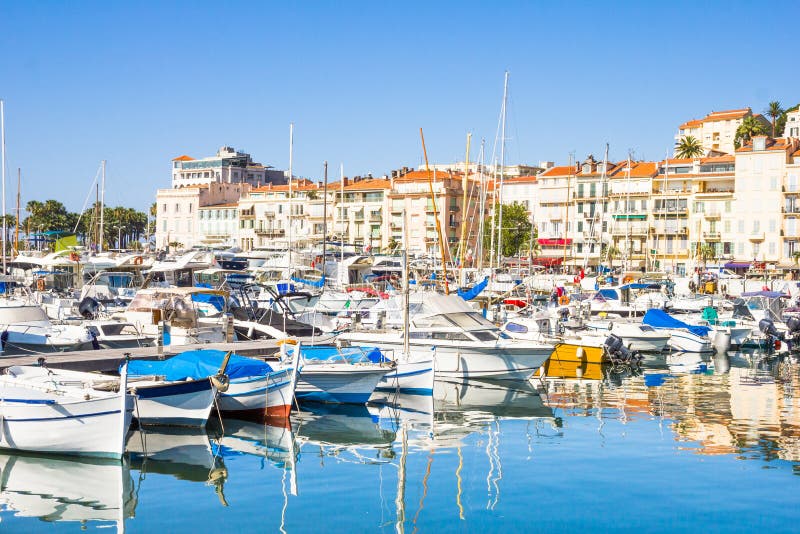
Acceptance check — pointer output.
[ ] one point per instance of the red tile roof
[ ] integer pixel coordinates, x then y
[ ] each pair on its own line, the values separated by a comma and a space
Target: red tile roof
183, 158
297, 185
694, 123
727, 114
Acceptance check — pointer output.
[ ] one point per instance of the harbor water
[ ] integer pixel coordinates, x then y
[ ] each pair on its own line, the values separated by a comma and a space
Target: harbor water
684, 443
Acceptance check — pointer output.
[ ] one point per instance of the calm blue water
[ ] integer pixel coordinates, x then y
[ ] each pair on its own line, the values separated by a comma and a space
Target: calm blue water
683, 444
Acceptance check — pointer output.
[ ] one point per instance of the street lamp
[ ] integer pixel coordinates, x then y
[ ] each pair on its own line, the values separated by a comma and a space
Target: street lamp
40, 237
119, 236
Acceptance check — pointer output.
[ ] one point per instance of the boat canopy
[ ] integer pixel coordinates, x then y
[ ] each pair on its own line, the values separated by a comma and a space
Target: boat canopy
661, 319
312, 283
768, 294
198, 364
345, 354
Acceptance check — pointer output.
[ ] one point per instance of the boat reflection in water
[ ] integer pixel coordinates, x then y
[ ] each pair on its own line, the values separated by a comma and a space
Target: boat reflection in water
271, 440
340, 426
58, 488
181, 452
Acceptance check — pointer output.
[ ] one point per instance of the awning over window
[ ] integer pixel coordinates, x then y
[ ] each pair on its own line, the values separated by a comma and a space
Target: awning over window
737, 265
550, 242
546, 261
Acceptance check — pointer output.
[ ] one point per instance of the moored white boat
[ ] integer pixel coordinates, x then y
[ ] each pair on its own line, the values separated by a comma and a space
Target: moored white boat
39, 416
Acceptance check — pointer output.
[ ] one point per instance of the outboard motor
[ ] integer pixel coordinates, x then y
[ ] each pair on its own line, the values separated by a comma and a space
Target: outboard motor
773, 337
88, 308
793, 335
617, 352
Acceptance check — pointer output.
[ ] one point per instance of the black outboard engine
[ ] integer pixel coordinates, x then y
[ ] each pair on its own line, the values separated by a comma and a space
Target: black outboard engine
88, 308
617, 352
767, 327
793, 334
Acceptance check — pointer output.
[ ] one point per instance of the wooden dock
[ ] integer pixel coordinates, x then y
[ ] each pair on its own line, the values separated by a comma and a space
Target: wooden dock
109, 360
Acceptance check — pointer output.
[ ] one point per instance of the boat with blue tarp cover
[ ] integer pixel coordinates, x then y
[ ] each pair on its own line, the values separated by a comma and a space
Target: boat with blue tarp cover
340, 374
683, 336
255, 387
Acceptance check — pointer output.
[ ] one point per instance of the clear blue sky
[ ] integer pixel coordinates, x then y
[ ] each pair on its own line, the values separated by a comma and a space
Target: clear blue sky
138, 83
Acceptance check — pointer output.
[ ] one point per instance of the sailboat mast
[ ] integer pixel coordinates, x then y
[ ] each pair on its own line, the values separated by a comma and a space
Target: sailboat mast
102, 208
494, 215
566, 212
3, 163
406, 296
16, 224
502, 173
341, 209
627, 211
324, 217
481, 222
462, 246
289, 229
435, 214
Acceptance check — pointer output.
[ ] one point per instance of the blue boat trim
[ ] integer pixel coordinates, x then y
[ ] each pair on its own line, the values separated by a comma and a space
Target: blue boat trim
7, 420
410, 373
408, 391
176, 388
31, 401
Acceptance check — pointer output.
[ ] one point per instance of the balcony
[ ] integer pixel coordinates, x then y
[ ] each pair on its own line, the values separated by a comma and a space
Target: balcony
375, 216
790, 209
791, 232
671, 211
756, 236
270, 232
712, 215
711, 236
633, 230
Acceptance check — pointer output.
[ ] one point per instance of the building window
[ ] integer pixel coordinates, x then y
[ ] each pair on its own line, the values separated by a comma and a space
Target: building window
177, 208
190, 207
164, 208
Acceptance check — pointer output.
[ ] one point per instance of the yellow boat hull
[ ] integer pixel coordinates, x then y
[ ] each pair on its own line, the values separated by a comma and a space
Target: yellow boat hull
572, 359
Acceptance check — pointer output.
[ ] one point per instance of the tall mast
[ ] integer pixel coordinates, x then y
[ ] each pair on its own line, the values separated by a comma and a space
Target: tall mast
435, 214
502, 173
324, 217
462, 246
345, 223
3, 163
481, 222
494, 214
16, 225
102, 208
626, 265
289, 229
566, 212
406, 319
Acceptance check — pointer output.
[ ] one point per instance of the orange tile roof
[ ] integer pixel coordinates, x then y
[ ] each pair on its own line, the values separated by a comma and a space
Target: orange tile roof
520, 180
718, 159
183, 158
781, 143
565, 170
374, 183
694, 123
425, 175
727, 114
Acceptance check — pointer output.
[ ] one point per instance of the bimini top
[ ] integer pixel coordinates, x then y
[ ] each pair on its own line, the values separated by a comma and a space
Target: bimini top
768, 294
198, 364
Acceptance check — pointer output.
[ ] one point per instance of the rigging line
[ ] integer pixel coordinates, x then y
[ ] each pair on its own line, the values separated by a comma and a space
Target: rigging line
88, 196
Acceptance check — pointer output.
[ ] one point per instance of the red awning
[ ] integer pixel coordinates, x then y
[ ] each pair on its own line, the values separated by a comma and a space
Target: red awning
546, 261
549, 242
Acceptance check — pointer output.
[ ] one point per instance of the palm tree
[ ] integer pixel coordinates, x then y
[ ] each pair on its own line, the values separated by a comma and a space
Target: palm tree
749, 128
774, 112
689, 147
705, 253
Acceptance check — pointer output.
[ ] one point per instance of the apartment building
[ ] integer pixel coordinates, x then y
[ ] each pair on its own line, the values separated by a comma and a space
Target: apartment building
717, 130
226, 166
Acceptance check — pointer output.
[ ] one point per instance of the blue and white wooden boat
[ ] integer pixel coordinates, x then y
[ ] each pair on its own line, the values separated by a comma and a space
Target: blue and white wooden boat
255, 388
346, 375
38, 414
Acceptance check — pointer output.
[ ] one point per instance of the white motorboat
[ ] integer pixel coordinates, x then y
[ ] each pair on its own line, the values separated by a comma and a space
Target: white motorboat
683, 336
38, 414
635, 336
111, 334
26, 328
463, 343
188, 315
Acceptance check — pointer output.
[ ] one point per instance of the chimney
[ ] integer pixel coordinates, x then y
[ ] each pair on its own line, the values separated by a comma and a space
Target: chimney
346, 181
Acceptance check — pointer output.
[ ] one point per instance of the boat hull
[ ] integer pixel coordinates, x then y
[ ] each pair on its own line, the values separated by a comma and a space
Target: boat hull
186, 403
92, 427
411, 377
338, 383
263, 396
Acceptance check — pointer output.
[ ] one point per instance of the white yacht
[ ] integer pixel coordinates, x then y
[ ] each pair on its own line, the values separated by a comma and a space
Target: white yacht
463, 343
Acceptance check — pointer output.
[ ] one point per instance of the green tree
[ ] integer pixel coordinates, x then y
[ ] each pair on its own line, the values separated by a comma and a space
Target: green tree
516, 229
706, 253
774, 111
689, 147
749, 128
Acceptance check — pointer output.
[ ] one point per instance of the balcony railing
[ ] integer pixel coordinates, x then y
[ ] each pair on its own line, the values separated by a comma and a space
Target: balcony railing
712, 236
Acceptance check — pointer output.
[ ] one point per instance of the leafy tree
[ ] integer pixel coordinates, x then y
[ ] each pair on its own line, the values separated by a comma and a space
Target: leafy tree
774, 111
749, 128
706, 253
516, 229
689, 147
